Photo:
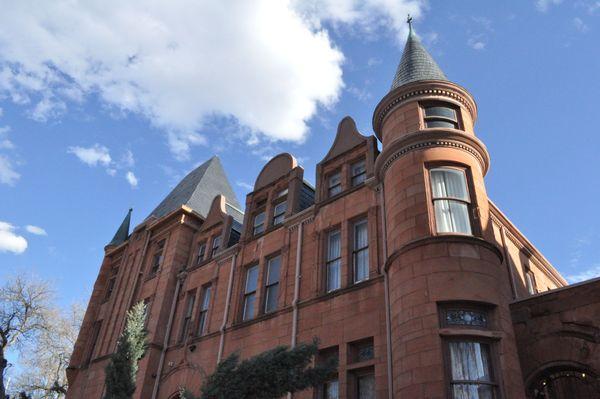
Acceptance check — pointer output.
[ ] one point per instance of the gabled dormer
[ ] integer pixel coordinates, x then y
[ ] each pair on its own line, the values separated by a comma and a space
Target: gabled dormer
347, 165
220, 230
279, 192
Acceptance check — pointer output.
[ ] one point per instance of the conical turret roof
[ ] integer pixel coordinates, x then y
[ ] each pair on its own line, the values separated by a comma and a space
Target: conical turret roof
122, 233
416, 63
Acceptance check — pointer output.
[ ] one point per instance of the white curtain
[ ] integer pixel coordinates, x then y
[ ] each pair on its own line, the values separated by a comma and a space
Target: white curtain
333, 266
361, 242
331, 390
450, 216
366, 387
470, 361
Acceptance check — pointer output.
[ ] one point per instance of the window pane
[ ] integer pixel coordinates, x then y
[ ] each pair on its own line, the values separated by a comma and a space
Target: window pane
361, 239
273, 270
361, 265
434, 123
206, 298
332, 390
249, 307
279, 213
333, 275
472, 391
202, 323
251, 279
334, 244
259, 223
358, 173
444, 112
335, 179
366, 387
452, 217
449, 183
470, 361
271, 300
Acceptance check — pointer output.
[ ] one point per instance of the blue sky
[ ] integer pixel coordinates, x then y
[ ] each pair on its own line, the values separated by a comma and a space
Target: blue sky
106, 108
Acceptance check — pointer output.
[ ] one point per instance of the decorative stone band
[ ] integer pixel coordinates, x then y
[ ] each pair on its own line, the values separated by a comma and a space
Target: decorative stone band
447, 239
429, 138
432, 88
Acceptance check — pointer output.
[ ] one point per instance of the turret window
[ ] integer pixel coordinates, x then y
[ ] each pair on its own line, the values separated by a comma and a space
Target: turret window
440, 116
451, 200
471, 370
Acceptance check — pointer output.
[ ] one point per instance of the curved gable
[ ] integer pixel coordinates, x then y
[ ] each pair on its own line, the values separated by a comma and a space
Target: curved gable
277, 167
347, 137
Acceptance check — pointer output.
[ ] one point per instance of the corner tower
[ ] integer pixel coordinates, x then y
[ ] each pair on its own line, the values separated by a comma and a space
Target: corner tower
451, 332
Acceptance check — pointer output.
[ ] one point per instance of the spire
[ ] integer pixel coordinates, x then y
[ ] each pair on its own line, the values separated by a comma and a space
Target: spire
122, 233
416, 63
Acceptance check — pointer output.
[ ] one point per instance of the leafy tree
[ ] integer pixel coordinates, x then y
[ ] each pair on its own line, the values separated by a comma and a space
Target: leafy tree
122, 369
269, 375
23, 315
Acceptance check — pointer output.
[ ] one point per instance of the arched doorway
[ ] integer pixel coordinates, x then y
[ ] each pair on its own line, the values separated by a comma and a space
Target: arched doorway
564, 382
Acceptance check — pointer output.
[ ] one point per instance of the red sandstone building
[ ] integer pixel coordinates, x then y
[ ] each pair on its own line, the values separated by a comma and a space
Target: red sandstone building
397, 260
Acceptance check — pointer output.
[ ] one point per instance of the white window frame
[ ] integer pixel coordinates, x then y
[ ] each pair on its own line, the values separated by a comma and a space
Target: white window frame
250, 294
271, 286
356, 251
449, 200
333, 262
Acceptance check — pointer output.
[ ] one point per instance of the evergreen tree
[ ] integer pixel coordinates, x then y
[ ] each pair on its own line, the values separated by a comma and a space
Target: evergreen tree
122, 369
269, 375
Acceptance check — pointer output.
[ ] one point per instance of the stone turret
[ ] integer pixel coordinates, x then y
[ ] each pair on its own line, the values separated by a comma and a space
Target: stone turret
448, 287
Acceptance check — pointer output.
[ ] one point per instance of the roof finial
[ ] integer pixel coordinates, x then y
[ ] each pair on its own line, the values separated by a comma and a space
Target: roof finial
409, 20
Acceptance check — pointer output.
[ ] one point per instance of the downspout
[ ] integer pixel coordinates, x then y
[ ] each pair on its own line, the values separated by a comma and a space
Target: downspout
226, 312
180, 277
508, 264
297, 285
296, 289
386, 284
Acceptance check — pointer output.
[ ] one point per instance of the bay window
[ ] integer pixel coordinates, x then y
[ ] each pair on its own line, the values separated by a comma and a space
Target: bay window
451, 200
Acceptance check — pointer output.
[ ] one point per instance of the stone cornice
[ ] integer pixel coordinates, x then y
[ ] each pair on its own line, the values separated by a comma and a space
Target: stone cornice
432, 88
432, 138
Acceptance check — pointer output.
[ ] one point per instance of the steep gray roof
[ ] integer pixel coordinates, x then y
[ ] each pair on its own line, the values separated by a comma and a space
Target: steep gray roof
122, 233
416, 64
198, 189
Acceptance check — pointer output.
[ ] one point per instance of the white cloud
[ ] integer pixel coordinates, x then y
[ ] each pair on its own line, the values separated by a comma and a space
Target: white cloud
38, 231
92, 156
8, 175
244, 185
587, 274
544, 5
476, 44
580, 25
127, 160
131, 179
9, 241
5, 143
269, 64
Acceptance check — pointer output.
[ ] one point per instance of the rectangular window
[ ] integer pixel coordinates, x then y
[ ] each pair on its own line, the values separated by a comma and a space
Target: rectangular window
110, 288
279, 213
333, 261
530, 282
330, 389
471, 370
201, 253
360, 252
250, 292
451, 200
441, 116
157, 258
203, 315
361, 351
216, 243
259, 223
187, 316
359, 173
272, 284
334, 184
365, 386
